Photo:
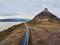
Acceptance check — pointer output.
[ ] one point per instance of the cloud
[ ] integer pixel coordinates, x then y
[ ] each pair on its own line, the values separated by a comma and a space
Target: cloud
27, 8
17, 17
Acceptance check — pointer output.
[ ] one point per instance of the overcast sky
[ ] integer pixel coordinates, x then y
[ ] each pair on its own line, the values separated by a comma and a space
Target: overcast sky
27, 8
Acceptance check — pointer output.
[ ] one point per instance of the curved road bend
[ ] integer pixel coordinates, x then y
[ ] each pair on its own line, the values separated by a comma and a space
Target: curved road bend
26, 36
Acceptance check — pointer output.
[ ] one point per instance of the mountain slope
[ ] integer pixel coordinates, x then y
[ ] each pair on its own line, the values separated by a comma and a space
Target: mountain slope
45, 29
12, 35
45, 15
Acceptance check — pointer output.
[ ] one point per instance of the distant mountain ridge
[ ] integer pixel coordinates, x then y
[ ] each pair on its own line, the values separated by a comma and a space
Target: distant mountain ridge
14, 20
45, 15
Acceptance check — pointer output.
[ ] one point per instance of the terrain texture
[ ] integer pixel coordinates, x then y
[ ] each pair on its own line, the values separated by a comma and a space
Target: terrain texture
44, 30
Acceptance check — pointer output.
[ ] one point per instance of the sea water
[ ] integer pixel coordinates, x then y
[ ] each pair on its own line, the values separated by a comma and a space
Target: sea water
6, 25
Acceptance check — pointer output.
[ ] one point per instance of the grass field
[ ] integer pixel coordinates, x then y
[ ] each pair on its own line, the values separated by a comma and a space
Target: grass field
44, 33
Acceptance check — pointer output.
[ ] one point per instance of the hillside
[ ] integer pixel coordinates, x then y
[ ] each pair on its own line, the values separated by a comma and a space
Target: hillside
45, 16
45, 29
12, 35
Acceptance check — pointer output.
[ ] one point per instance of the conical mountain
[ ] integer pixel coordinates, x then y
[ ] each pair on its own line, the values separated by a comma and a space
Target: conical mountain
45, 15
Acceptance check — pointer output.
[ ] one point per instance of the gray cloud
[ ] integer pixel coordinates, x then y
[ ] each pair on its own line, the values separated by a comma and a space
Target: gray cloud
28, 7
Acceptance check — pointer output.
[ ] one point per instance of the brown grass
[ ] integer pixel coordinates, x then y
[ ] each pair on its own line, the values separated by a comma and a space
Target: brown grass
9, 31
44, 33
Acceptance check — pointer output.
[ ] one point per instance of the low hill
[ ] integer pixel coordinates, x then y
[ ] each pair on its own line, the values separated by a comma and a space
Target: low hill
12, 35
14, 20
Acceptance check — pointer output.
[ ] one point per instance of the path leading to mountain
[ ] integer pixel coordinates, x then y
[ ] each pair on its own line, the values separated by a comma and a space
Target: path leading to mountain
26, 36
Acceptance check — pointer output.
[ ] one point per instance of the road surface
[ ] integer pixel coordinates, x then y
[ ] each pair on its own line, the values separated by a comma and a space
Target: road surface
26, 36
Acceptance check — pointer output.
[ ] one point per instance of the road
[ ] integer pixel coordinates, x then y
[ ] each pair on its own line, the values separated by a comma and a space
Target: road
15, 37
26, 36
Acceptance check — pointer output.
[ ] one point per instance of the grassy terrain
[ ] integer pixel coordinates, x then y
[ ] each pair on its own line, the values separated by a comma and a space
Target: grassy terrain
44, 33
9, 31
41, 33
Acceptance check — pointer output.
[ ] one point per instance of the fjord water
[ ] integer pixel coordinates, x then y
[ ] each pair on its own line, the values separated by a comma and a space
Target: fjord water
6, 25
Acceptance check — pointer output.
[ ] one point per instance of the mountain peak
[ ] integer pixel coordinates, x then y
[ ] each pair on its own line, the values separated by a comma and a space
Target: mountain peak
46, 10
45, 15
